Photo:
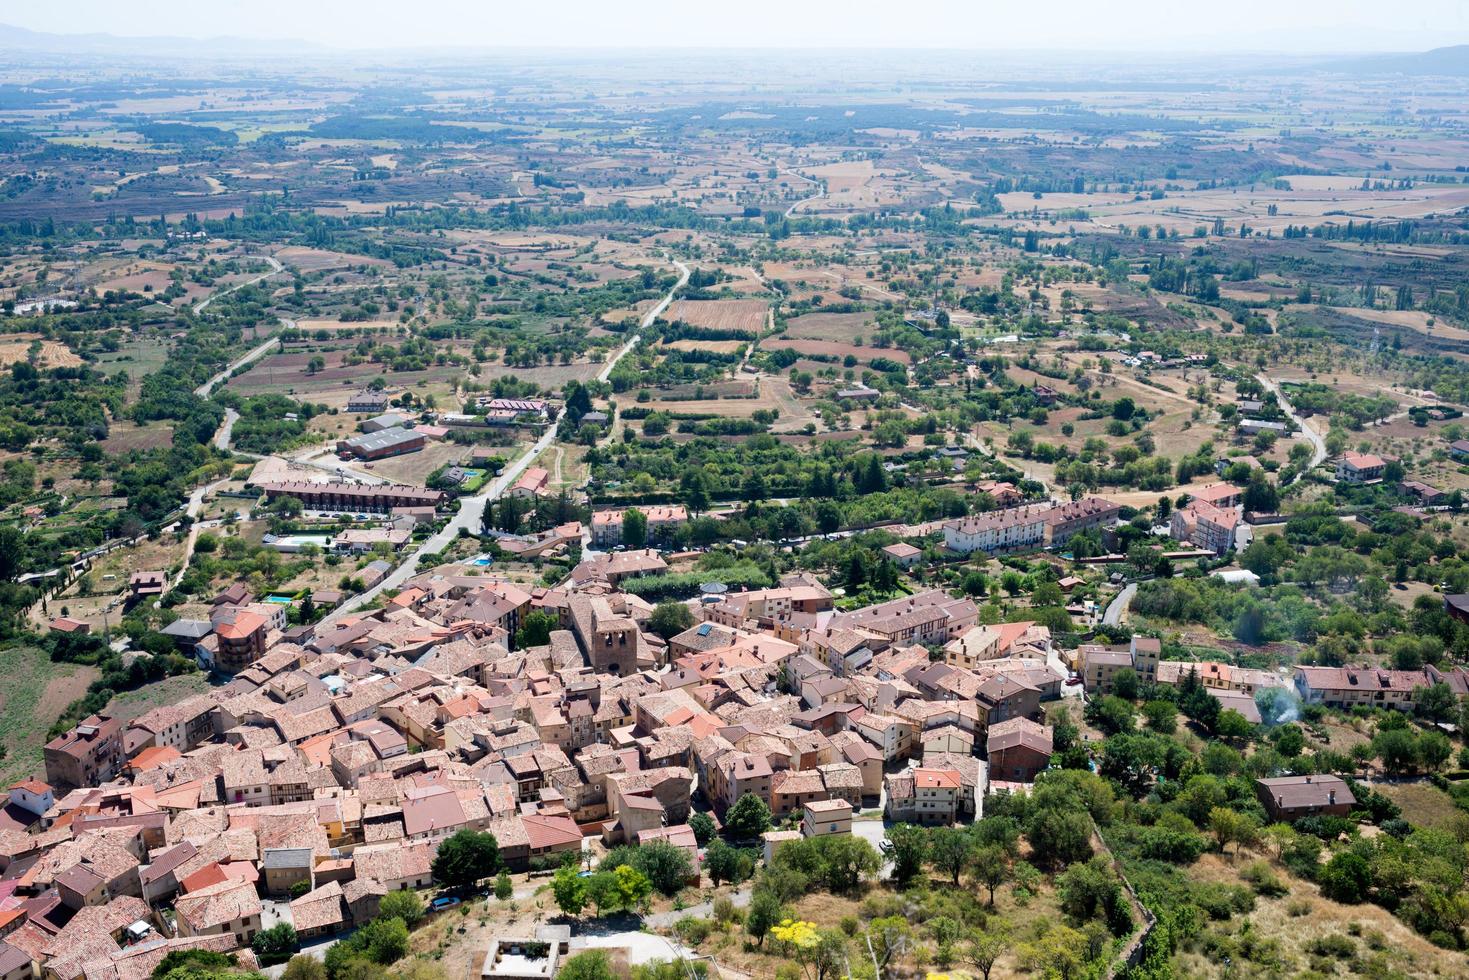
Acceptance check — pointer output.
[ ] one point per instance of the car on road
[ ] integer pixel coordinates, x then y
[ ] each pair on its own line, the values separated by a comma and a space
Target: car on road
1073, 680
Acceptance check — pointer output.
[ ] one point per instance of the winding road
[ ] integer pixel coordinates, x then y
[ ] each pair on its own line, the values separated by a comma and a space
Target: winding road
275, 269
1318, 456
820, 193
204, 390
1117, 608
471, 509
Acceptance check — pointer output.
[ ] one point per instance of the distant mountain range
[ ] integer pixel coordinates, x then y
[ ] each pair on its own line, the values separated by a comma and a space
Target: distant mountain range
20, 39
1440, 61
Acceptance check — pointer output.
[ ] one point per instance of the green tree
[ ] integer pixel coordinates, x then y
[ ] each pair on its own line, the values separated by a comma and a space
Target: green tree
403, 904
384, 940
535, 629
1434, 750
466, 858
764, 914
1346, 878
634, 528
570, 891
703, 827
633, 887
666, 866
1232, 725
951, 850
908, 847
1060, 837
594, 964
1162, 716
1232, 827
670, 618
1397, 748
724, 863
504, 889
748, 818
304, 967
1435, 702
985, 948
1125, 684
991, 868
276, 944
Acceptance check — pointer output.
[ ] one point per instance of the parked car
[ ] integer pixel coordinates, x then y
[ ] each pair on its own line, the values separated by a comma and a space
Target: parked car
443, 902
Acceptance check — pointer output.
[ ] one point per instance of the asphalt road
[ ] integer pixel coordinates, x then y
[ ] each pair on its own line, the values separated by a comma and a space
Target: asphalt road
1318, 444
1117, 608
471, 509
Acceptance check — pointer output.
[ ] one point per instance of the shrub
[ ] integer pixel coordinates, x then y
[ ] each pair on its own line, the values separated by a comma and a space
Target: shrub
692, 931
1333, 944
403, 904
1264, 880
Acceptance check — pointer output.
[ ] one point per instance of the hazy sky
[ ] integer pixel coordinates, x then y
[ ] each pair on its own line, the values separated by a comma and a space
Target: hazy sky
1266, 25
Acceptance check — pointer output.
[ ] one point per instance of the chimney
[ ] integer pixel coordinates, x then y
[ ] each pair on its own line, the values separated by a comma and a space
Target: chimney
1331, 798
1308, 780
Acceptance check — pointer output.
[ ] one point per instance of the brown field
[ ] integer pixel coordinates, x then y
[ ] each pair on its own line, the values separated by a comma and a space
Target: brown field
16, 348
735, 408
712, 346
318, 260
836, 327
833, 349
125, 436
1423, 803
746, 315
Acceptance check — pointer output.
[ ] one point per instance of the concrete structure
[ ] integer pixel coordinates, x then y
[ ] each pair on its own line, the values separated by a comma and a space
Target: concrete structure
1347, 687
826, 817
383, 444
353, 498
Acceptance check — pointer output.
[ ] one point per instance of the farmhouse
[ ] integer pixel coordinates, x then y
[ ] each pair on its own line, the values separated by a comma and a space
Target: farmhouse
1360, 467
1289, 798
368, 402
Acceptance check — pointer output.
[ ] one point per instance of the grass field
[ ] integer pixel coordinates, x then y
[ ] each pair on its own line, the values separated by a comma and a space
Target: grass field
139, 358
1423, 803
171, 690
36, 691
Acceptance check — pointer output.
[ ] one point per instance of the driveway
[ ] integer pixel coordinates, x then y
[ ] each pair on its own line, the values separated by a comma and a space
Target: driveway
642, 947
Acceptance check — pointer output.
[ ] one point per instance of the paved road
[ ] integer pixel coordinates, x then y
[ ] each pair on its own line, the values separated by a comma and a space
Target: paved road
226, 429
820, 193
204, 390
471, 509
1117, 608
703, 910
275, 269
1318, 444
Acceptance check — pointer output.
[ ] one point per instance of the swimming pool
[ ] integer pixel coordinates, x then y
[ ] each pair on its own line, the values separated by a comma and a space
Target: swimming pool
283, 600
